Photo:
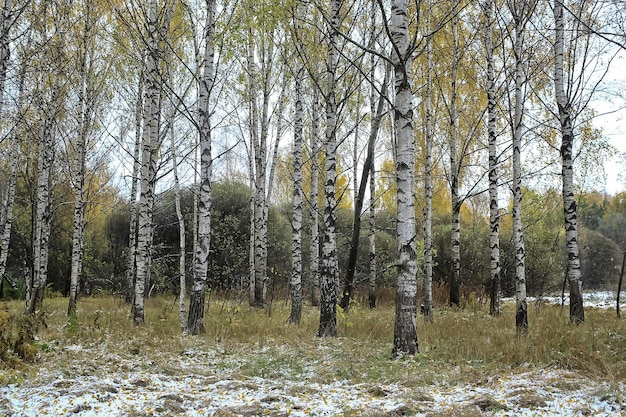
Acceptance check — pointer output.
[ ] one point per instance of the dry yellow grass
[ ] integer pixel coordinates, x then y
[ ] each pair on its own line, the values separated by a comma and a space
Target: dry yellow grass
466, 344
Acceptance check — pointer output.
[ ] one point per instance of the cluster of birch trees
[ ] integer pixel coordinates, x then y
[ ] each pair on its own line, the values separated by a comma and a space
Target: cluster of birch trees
463, 98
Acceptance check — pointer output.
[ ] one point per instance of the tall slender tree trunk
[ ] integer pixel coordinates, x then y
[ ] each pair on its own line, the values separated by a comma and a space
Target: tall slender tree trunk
6, 221
41, 233
329, 264
195, 322
314, 206
494, 215
50, 109
521, 307
574, 276
254, 143
428, 178
86, 98
79, 205
405, 328
149, 157
131, 268
455, 243
371, 280
296, 222
182, 234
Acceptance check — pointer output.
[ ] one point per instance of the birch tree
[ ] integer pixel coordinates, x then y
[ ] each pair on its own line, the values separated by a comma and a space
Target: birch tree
296, 222
49, 107
157, 27
405, 327
455, 171
577, 314
329, 265
576, 77
428, 174
182, 234
195, 321
90, 84
494, 215
8, 198
131, 268
314, 207
521, 12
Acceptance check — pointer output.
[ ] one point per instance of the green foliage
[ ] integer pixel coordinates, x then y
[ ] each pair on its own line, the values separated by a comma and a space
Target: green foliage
600, 261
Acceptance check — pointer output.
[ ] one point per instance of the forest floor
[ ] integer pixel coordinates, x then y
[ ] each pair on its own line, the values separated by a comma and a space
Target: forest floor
97, 370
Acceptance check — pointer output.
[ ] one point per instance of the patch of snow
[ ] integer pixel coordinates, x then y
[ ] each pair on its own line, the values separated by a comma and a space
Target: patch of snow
102, 384
597, 299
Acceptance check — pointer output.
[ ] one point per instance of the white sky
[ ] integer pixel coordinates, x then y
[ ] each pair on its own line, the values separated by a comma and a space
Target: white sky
613, 123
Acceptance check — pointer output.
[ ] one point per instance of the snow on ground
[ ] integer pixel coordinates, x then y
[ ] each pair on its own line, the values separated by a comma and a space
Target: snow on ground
115, 385
597, 299
91, 381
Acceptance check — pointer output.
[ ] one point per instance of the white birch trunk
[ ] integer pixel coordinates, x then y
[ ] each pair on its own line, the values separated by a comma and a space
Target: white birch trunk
521, 307
494, 215
195, 321
9, 200
428, 179
282, 102
315, 240
329, 266
149, 155
41, 229
79, 183
574, 276
9, 197
5, 39
41, 232
405, 328
296, 222
455, 243
131, 268
371, 279
158, 28
182, 234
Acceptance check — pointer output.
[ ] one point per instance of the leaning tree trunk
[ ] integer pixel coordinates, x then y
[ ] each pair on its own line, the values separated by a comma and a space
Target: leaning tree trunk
330, 267
195, 321
405, 328
360, 196
574, 276
296, 221
428, 180
494, 215
521, 307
